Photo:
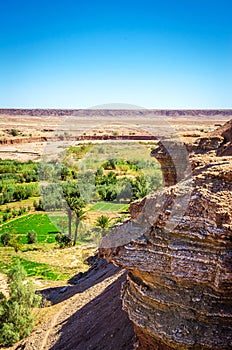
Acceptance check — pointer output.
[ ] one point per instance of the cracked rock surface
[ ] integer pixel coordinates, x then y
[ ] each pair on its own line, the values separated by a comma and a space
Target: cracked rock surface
177, 249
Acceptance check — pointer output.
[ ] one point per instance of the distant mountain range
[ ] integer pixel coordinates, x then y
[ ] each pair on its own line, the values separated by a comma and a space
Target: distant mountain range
112, 112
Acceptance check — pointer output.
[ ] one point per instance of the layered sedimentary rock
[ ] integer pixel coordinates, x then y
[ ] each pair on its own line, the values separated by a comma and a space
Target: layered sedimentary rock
174, 160
177, 249
219, 141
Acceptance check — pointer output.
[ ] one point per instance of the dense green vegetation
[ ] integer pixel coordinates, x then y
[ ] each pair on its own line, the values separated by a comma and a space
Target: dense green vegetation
69, 202
16, 321
50, 202
13, 171
17, 192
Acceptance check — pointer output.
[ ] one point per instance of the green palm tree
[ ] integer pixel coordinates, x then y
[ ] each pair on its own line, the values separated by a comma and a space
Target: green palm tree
73, 204
77, 205
103, 222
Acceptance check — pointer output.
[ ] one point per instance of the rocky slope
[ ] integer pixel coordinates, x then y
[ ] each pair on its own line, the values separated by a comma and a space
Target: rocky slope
219, 140
177, 249
86, 314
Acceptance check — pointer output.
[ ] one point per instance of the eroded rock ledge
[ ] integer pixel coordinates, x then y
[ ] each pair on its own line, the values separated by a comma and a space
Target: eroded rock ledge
177, 249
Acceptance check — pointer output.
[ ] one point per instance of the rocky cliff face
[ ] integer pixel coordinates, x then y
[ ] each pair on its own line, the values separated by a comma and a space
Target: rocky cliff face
219, 141
177, 249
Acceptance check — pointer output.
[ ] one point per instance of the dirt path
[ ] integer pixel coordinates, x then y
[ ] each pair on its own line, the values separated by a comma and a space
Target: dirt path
69, 308
85, 316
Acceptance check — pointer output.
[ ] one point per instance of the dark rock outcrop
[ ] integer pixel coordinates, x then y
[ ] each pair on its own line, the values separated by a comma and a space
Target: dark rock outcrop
177, 248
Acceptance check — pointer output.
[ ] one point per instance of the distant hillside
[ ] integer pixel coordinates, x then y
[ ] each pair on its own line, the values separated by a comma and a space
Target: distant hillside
112, 112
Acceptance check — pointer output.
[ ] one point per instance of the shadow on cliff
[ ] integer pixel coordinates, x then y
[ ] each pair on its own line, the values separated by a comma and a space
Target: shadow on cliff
100, 325
81, 282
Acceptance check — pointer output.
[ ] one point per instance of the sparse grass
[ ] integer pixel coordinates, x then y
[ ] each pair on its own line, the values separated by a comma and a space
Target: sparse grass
42, 271
108, 206
132, 151
47, 263
79, 151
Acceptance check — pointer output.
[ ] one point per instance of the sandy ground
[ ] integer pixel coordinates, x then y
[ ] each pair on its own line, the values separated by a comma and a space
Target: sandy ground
187, 127
3, 284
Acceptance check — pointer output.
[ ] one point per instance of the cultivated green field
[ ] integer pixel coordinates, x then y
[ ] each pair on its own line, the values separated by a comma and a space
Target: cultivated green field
40, 223
36, 197
34, 269
108, 206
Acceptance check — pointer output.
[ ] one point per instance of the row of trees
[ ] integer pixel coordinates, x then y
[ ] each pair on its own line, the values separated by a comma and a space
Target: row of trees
65, 196
72, 196
109, 187
102, 225
10, 213
14, 193
18, 178
13, 171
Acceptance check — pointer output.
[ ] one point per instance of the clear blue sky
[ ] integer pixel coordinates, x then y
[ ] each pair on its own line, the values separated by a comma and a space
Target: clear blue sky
76, 54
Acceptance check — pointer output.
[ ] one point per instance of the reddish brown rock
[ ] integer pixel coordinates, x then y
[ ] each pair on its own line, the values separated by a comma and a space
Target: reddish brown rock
177, 247
174, 160
219, 141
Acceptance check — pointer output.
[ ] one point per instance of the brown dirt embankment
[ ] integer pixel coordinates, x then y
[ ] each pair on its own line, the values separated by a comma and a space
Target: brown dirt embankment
75, 138
87, 315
